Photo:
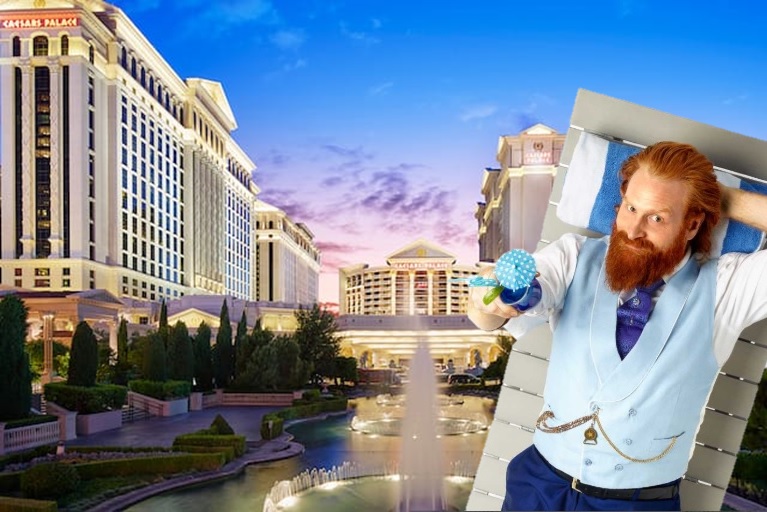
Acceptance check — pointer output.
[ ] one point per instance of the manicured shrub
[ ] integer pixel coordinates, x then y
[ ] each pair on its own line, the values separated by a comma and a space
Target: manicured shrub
220, 426
49, 480
161, 390
237, 442
163, 465
268, 433
23, 505
32, 420
10, 481
86, 400
84, 357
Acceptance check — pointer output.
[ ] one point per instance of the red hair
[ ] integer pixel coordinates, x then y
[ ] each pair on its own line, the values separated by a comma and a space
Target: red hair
677, 161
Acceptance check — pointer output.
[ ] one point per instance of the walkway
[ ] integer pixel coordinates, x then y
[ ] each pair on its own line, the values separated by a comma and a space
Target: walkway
162, 431
245, 421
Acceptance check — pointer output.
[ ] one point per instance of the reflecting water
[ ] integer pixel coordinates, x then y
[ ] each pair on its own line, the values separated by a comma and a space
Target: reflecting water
328, 443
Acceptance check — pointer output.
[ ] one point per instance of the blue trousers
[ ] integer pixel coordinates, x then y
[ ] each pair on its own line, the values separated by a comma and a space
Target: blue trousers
532, 485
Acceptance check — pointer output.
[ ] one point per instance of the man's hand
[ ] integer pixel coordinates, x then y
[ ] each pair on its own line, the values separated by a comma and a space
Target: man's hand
490, 316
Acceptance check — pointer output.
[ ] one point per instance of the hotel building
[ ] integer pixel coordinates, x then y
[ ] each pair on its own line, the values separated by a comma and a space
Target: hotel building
120, 182
117, 174
517, 193
420, 294
287, 260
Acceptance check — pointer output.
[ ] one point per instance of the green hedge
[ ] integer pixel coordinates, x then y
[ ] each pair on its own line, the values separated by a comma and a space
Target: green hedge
101, 398
299, 411
118, 449
23, 505
32, 420
49, 480
277, 426
750, 466
228, 451
235, 441
164, 465
10, 481
167, 390
26, 455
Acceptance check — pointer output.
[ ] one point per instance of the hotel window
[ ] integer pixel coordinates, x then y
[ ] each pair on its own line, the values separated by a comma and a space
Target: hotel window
40, 46
64, 45
124, 58
17, 46
91, 54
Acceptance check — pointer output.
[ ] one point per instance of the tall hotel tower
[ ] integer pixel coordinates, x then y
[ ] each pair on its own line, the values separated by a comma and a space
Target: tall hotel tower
115, 173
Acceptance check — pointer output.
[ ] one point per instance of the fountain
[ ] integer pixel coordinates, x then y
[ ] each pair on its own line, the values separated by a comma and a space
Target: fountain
420, 480
421, 456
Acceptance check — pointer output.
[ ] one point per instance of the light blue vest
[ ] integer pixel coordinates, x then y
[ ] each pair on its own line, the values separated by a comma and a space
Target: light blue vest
656, 393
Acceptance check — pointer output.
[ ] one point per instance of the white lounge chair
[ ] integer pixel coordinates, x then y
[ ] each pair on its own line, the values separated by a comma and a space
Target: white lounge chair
520, 401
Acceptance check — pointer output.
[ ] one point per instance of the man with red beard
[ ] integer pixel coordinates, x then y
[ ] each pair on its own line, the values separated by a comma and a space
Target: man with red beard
642, 322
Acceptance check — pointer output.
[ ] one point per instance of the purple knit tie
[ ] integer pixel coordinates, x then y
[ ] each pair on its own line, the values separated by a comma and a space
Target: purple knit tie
632, 317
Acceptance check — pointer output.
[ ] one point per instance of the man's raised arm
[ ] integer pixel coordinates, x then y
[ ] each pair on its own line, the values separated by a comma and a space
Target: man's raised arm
744, 206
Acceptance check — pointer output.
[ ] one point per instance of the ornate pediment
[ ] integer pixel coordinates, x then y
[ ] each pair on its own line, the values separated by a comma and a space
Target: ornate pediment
420, 250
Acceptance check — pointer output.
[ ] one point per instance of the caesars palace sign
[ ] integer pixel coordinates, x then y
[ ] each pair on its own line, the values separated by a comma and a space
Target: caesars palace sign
39, 21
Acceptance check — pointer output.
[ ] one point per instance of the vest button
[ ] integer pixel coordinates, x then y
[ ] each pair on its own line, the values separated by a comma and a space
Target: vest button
632, 412
618, 467
587, 462
627, 441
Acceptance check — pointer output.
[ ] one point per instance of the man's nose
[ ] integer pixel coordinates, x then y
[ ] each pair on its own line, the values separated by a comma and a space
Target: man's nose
635, 229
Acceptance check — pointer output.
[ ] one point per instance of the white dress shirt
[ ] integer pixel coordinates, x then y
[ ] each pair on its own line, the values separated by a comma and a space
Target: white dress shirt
741, 291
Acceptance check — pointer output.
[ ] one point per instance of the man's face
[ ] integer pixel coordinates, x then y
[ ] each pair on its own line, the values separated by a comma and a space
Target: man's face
650, 233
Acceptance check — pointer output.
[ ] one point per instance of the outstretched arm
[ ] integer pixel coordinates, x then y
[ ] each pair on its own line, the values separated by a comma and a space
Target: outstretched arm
746, 207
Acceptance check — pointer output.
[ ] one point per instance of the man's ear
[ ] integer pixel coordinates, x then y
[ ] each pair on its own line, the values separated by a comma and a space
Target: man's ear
694, 221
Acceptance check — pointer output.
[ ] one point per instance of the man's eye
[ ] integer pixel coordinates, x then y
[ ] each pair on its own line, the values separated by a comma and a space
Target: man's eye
656, 218
631, 208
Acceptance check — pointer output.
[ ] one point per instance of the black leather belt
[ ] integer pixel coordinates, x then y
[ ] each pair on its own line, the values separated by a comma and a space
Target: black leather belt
660, 492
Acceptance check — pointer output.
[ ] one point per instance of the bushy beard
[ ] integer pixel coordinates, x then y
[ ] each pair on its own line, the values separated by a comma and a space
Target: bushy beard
626, 269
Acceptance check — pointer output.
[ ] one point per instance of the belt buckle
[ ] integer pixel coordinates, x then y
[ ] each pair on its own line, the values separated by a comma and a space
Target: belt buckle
574, 485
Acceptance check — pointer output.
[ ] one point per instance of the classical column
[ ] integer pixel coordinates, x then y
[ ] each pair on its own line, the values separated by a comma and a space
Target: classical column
27, 171
48, 373
430, 289
113, 324
449, 292
393, 275
411, 290
56, 214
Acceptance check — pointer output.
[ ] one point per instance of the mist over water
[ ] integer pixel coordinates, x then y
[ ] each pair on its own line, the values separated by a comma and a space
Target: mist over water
421, 457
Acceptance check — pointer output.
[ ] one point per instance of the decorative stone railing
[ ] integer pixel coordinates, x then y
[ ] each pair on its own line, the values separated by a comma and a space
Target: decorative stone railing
158, 407
23, 438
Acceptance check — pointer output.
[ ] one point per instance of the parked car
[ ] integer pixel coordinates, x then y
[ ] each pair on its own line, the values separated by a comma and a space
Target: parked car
463, 378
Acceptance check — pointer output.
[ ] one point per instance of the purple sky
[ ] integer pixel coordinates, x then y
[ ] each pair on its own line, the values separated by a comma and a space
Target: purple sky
372, 121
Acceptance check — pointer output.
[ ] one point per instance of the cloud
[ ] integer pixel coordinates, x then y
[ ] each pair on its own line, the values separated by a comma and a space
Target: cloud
288, 39
222, 16
376, 23
361, 37
478, 112
735, 99
380, 89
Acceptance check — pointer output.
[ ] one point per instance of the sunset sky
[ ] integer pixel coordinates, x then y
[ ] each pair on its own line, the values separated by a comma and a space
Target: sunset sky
372, 121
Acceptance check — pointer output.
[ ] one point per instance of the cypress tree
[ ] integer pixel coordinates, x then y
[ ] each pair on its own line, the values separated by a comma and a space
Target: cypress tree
84, 357
180, 353
224, 349
163, 328
15, 375
203, 358
243, 347
122, 342
154, 358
